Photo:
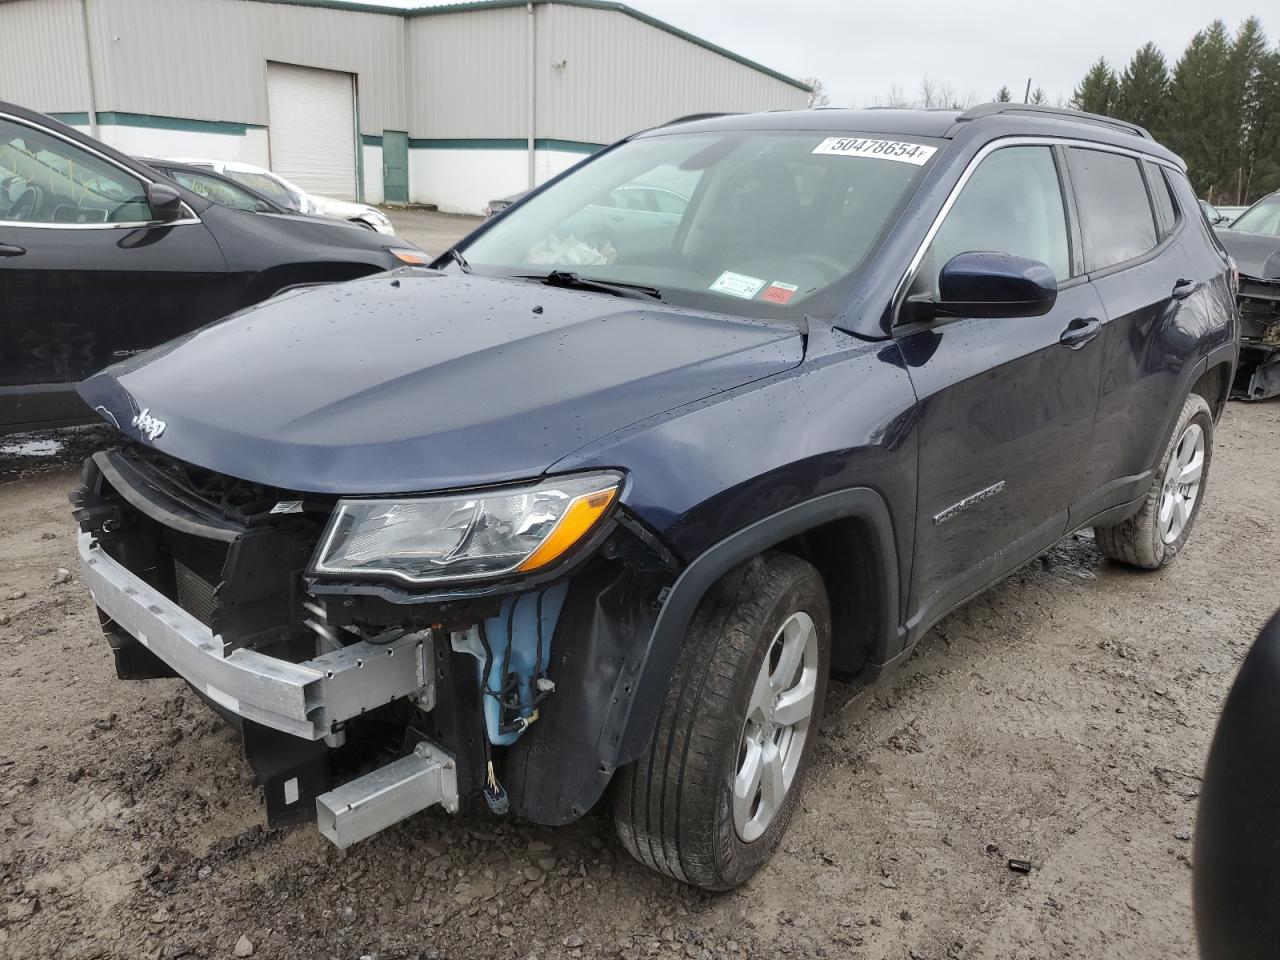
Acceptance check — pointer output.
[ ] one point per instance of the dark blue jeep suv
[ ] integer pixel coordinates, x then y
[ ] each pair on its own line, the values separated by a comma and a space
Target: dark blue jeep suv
601, 498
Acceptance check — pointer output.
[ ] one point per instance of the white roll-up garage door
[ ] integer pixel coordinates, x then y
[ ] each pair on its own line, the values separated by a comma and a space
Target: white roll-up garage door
311, 126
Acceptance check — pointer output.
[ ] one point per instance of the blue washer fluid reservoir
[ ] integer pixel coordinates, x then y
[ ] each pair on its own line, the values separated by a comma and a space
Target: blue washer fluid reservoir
513, 637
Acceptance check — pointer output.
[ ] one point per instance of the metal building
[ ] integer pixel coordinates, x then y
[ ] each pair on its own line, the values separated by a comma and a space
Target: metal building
445, 105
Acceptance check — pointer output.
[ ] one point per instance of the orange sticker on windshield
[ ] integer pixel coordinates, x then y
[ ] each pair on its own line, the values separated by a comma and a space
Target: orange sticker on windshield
778, 292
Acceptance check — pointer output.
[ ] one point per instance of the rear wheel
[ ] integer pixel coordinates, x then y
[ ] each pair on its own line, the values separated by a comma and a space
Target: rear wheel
1155, 535
711, 799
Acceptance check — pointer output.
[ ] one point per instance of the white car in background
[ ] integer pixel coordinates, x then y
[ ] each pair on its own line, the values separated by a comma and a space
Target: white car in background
287, 194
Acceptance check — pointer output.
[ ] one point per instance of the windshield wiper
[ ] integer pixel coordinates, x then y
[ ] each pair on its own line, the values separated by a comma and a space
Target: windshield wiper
456, 256
570, 280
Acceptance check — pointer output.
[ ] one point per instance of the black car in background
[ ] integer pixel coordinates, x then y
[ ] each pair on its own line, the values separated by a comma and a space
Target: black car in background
102, 258
1253, 240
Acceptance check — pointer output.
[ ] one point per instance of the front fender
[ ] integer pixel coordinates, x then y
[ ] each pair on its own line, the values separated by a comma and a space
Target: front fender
615, 658
635, 720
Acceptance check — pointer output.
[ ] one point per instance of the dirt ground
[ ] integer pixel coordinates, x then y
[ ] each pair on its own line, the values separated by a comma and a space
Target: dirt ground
1062, 718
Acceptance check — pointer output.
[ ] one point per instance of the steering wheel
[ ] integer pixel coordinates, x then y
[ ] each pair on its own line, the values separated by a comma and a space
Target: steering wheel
25, 207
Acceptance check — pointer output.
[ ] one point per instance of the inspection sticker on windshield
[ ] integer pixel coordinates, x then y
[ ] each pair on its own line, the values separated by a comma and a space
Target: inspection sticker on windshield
916, 153
779, 292
737, 285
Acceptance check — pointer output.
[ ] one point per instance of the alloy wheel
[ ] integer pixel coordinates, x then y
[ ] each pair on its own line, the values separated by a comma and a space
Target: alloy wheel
776, 727
1182, 483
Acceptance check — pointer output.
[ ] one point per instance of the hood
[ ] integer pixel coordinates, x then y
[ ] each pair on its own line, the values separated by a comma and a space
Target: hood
422, 381
1256, 254
343, 209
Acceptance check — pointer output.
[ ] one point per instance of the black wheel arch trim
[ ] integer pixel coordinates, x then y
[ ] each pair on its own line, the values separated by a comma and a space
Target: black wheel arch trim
637, 717
1225, 353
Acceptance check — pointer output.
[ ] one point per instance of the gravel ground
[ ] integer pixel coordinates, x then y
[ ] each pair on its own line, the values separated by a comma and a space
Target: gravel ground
1062, 719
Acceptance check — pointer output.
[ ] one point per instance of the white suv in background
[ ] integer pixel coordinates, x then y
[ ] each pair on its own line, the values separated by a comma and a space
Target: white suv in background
287, 194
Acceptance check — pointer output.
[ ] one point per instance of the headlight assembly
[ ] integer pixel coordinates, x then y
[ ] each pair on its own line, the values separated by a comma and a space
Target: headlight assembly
465, 536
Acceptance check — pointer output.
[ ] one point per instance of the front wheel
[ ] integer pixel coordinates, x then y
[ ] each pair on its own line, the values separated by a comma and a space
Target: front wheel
1155, 535
710, 800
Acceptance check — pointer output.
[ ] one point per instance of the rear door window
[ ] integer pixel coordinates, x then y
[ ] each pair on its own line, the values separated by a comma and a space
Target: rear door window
1116, 219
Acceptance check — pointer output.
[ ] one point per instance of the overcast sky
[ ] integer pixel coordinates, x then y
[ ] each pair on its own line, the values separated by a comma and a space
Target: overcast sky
861, 49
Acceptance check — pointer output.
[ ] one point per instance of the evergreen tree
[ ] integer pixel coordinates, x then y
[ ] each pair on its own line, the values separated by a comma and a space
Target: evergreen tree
1003, 96
1264, 130
1143, 94
1219, 107
1246, 73
1203, 111
1038, 96
1097, 91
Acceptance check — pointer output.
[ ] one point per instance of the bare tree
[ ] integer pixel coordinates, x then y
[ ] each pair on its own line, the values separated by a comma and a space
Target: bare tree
896, 98
818, 96
931, 95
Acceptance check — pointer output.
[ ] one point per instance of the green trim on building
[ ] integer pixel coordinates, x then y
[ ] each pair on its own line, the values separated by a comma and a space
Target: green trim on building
567, 146
468, 143
592, 4
185, 124
371, 139
72, 119
503, 143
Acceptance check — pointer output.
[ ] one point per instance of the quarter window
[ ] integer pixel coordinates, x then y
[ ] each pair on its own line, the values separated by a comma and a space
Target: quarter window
1116, 220
1011, 204
1166, 203
44, 179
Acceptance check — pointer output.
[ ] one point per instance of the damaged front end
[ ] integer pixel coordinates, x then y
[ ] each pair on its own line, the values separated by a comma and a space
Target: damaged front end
383, 656
1258, 375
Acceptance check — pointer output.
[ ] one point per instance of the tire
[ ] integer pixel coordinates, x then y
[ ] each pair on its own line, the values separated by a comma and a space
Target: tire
674, 808
1144, 540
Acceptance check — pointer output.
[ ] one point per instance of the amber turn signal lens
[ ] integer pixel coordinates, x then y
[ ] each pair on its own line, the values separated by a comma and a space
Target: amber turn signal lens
577, 520
415, 257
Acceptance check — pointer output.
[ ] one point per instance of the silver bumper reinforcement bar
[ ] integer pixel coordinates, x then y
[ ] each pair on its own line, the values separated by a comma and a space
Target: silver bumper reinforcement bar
304, 699
364, 806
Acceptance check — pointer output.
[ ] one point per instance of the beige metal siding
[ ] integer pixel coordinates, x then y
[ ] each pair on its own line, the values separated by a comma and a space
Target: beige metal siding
312, 133
206, 60
42, 62
621, 75
460, 75
467, 74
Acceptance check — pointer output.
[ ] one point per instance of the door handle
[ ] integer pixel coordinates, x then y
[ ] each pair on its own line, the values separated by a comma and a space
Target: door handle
7, 250
1080, 331
1185, 288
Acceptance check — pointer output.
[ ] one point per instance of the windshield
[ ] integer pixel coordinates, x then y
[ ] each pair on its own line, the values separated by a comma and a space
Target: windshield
218, 190
759, 223
268, 186
1263, 217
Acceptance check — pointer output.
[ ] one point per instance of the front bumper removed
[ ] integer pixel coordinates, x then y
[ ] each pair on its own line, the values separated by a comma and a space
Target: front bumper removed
305, 699
308, 700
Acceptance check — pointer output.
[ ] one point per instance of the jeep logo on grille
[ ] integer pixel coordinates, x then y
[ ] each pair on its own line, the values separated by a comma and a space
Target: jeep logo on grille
149, 426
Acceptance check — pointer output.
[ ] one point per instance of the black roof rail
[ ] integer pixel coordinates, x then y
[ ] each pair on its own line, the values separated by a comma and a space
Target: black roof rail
1034, 109
690, 117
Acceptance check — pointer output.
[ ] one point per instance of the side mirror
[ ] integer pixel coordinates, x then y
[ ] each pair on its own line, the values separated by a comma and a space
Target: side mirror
987, 284
165, 202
